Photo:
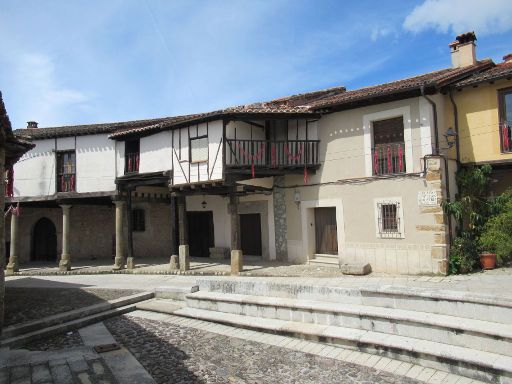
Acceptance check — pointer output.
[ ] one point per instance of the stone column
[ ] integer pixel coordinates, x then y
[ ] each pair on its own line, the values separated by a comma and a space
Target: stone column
13, 265
237, 261
184, 257
119, 259
280, 225
130, 263
65, 259
174, 261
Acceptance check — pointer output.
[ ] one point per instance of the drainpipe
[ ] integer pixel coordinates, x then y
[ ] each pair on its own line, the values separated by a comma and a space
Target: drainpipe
438, 154
456, 124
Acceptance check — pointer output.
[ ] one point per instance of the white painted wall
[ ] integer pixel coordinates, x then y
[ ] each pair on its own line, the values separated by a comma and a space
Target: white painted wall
156, 152
34, 174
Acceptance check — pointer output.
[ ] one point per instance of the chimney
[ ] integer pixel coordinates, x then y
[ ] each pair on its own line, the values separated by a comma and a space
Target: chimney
463, 50
507, 58
31, 124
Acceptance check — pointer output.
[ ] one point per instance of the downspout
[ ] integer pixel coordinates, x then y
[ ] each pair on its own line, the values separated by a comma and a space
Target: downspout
437, 153
456, 126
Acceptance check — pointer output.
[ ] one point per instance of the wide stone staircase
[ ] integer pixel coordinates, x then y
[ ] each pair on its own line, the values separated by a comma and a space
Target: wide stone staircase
462, 333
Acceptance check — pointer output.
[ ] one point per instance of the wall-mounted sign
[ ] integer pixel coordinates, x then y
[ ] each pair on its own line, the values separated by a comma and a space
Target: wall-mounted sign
427, 198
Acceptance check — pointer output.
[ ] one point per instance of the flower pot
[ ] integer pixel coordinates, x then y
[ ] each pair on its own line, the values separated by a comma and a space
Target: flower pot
488, 260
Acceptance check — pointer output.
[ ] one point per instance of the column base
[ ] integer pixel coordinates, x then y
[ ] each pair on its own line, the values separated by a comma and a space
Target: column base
118, 263
174, 263
65, 263
130, 263
184, 258
237, 261
12, 266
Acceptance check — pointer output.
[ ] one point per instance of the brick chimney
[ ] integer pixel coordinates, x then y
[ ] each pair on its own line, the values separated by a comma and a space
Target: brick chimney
31, 124
463, 50
507, 58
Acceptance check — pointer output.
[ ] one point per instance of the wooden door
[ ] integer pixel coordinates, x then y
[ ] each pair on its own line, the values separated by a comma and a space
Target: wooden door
250, 231
326, 231
200, 233
44, 241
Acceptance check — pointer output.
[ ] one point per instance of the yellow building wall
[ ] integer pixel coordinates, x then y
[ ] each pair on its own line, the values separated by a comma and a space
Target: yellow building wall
479, 134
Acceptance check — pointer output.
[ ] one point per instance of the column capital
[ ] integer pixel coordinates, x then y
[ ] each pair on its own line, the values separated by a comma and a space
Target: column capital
119, 202
66, 206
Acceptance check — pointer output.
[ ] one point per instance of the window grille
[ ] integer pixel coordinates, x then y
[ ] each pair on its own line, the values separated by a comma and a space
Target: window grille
199, 149
138, 220
389, 218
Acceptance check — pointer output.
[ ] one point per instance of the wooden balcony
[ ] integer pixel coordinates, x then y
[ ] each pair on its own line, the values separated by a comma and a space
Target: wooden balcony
271, 156
131, 163
388, 159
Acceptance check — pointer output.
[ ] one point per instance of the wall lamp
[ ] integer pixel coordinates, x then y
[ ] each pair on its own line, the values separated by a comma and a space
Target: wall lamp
451, 137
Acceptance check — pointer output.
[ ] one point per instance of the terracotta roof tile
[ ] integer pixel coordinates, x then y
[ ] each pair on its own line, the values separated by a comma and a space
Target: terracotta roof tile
499, 71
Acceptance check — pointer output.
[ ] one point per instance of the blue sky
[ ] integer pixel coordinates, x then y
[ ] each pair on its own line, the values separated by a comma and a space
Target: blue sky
84, 61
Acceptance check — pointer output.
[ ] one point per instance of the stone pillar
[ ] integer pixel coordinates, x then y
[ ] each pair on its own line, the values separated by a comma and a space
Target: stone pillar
280, 220
65, 259
130, 262
237, 261
184, 257
174, 251
13, 265
119, 259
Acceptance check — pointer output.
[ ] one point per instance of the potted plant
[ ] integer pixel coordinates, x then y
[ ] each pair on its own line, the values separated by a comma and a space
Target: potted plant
495, 238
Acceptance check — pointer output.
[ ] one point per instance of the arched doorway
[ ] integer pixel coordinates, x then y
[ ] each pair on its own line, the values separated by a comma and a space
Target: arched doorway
44, 241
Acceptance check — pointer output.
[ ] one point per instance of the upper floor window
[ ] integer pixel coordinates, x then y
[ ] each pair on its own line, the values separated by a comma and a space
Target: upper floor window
199, 149
505, 115
388, 155
131, 156
66, 171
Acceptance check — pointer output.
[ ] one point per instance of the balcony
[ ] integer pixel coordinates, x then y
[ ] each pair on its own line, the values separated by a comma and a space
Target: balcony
66, 182
131, 163
506, 136
388, 159
271, 155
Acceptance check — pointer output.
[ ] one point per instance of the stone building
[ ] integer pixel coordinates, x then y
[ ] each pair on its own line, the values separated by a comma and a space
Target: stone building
328, 177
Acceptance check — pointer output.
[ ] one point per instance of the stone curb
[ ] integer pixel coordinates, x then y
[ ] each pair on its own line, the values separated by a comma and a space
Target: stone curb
30, 326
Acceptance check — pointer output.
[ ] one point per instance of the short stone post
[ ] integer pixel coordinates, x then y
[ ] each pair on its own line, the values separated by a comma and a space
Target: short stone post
13, 265
174, 263
65, 259
237, 260
119, 259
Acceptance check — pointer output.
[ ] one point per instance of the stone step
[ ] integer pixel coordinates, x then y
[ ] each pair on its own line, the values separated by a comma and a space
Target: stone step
479, 365
469, 333
175, 291
75, 324
167, 306
443, 302
321, 259
49, 321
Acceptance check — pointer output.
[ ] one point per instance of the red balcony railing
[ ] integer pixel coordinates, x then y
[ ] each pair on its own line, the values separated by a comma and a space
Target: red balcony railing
388, 159
131, 163
66, 183
506, 136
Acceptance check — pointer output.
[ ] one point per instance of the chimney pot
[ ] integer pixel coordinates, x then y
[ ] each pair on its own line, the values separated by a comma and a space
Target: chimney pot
31, 124
463, 50
507, 58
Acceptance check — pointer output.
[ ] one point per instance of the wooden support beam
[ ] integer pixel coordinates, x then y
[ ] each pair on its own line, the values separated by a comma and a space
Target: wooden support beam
235, 220
182, 220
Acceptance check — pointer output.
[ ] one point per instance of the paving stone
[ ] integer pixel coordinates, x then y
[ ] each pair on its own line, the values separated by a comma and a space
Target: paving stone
78, 365
20, 374
41, 374
84, 378
61, 374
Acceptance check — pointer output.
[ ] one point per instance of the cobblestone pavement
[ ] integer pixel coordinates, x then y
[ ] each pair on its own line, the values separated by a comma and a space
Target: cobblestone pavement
25, 304
174, 354
77, 370
69, 339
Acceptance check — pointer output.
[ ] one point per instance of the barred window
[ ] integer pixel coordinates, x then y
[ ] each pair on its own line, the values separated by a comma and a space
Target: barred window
199, 149
138, 220
388, 219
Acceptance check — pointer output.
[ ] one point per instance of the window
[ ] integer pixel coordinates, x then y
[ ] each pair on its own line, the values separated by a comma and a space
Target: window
505, 114
199, 149
131, 156
389, 218
138, 220
66, 174
388, 154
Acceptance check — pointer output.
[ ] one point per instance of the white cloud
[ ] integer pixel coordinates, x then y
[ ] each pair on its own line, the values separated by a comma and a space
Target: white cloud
459, 16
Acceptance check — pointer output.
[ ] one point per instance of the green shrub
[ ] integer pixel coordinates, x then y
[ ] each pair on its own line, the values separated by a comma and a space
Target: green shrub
496, 235
463, 254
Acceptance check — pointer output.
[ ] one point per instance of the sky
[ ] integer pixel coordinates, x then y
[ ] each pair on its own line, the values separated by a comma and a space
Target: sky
67, 62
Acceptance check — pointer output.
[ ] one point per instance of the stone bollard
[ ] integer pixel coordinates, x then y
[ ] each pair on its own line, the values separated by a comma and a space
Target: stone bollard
237, 262
174, 263
130, 263
184, 258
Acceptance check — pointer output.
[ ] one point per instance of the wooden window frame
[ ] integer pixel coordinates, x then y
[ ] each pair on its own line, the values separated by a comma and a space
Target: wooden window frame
190, 149
502, 117
59, 174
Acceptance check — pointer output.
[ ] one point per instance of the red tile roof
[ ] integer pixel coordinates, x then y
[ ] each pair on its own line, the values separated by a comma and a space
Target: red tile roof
496, 72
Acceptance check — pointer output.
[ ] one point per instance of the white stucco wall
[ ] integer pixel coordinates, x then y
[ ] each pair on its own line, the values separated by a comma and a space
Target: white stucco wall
34, 174
156, 152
